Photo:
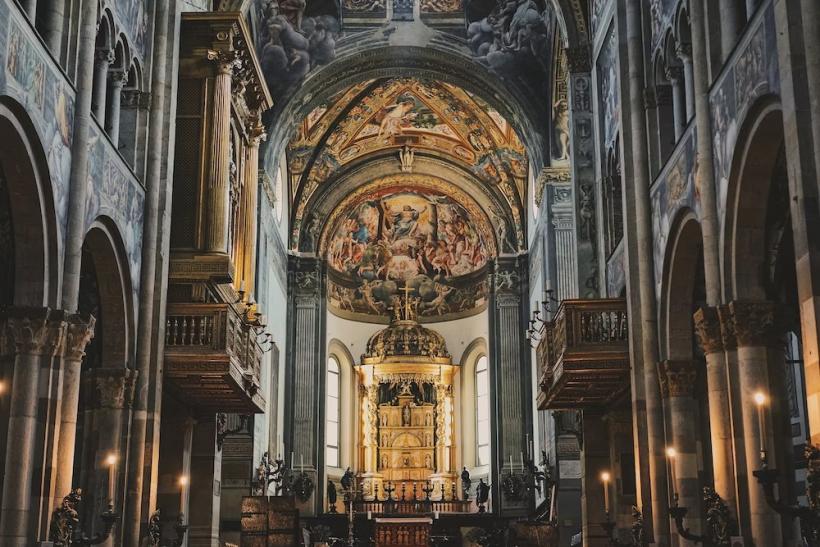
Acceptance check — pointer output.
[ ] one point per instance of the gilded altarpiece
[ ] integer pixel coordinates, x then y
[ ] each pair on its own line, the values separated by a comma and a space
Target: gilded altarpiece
407, 441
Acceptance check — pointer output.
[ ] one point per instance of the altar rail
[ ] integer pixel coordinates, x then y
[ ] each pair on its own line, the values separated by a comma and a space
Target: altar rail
583, 354
414, 507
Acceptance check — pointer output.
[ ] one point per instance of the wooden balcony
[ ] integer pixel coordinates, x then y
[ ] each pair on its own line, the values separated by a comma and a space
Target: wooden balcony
212, 358
583, 355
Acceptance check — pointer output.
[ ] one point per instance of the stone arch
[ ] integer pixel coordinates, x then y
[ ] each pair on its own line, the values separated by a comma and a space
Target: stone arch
756, 154
466, 401
681, 276
33, 223
348, 388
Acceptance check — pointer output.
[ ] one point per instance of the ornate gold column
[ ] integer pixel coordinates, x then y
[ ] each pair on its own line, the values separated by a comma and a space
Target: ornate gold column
370, 437
256, 134
37, 334
677, 383
217, 206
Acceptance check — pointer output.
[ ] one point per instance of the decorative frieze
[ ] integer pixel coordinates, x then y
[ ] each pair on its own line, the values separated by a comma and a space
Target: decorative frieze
79, 332
110, 388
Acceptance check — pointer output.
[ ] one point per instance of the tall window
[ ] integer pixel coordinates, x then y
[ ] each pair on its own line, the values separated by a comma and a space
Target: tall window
482, 425
332, 416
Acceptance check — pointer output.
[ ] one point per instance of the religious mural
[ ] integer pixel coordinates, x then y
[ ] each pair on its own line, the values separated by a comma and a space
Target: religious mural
394, 237
290, 41
662, 12
133, 19
421, 114
441, 6
609, 96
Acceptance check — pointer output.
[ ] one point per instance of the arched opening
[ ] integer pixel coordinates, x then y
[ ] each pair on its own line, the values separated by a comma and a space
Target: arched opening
340, 414
106, 379
612, 197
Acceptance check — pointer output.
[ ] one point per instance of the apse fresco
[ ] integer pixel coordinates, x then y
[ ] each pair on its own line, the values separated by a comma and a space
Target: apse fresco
407, 237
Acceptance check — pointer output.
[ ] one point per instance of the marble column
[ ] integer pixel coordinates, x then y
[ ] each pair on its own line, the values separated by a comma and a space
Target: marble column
306, 356
217, 201
675, 76
37, 334
78, 333
563, 225
684, 52
256, 133
205, 485
677, 382
510, 376
756, 330
117, 79
102, 61
54, 19
132, 132
710, 339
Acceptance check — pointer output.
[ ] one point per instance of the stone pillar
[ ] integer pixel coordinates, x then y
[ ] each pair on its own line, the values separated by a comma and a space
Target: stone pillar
30, 7
78, 333
54, 18
370, 427
562, 213
756, 331
444, 433
217, 202
134, 107
256, 133
102, 61
684, 52
205, 485
306, 357
621, 443
710, 339
594, 462
730, 25
112, 114
675, 76
677, 382
37, 334
510, 374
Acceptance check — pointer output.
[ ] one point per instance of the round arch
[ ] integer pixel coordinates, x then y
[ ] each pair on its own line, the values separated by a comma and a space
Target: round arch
348, 405
467, 404
34, 225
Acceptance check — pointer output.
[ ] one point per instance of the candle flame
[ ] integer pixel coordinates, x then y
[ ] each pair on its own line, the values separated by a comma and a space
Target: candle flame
183, 480
760, 398
111, 459
671, 452
605, 476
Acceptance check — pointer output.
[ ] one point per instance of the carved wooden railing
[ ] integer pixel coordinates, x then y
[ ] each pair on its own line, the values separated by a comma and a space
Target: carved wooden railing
414, 507
583, 333
196, 328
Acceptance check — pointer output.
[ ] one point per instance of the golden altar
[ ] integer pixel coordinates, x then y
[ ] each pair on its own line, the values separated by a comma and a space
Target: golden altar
406, 386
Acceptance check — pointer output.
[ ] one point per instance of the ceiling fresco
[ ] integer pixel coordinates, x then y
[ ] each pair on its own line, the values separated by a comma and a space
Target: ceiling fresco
408, 231
430, 117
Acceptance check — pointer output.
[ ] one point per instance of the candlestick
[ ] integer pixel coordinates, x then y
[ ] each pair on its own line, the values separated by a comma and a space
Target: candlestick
111, 460
605, 480
183, 481
760, 402
671, 454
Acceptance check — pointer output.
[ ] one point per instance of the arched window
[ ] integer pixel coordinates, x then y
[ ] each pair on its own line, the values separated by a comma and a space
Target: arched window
332, 413
482, 401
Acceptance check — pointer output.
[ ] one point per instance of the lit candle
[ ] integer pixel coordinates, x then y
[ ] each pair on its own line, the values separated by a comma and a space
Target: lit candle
760, 402
183, 482
511, 464
301, 462
111, 460
671, 453
292, 461
521, 456
605, 481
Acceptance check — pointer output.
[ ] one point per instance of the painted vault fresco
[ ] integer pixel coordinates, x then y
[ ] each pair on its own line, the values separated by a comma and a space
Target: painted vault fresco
394, 113
406, 235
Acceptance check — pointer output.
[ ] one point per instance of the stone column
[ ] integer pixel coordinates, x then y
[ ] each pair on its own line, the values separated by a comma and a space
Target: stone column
370, 433
217, 202
54, 18
756, 331
112, 114
30, 7
256, 133
510, 374
677, 382
102, 61
640, 215
675, 76
595, 460
134, 107
710, 339
79, 331
306, 356
730, 25
205, 485
37, 334
444, 409
563, 222
684, 52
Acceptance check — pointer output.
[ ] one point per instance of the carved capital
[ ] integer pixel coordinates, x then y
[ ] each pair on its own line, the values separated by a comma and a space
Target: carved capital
756, 323
674, 73
134, 98
79, 331
111, 388
727, 328
226, 60
256, 131
103, 57
118, 77
35, 331
707, 329
677, 378
684, 50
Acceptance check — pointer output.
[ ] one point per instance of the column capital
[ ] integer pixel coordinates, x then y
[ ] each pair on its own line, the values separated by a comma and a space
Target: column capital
674, 73
79, 331
226, 60
103, 56
684, 51
35, 331
111, 388
708, 329
677, 378
134, 98
256, 131
727, 328
118, 77
756, 323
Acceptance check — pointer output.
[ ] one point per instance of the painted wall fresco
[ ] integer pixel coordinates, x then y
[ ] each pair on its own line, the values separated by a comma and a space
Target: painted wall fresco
441, 6
661, 12
616, 272
29, 77
754, 73
608, 94
407, 236
290, 41
132, 16
365, 7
